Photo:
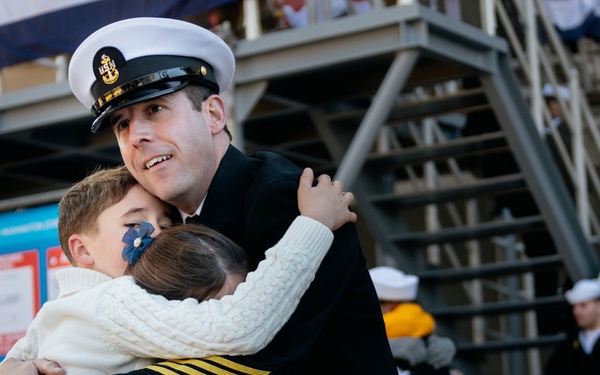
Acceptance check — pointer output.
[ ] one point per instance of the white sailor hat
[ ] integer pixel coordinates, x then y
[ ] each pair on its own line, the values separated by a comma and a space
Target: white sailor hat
138, 59
394, 285
584, 290
564, 92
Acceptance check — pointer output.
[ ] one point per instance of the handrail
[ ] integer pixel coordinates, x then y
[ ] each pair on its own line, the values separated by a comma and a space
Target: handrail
577, 112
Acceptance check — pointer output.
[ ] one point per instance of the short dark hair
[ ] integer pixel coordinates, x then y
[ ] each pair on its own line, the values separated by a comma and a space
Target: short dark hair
197, 95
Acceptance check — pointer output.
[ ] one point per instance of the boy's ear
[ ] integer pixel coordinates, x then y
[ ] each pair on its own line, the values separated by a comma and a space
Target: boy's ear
78, 247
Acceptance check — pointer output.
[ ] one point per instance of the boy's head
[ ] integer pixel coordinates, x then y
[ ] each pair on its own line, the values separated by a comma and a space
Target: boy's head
96, 212
190, 261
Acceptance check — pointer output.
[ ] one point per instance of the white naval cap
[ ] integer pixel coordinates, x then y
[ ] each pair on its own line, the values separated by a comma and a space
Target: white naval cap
584, 290
564, 92
394, 285
138, 59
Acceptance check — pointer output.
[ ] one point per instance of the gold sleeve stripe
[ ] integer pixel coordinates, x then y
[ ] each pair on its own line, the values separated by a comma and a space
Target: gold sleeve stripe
236, 366
208, 366
159, 369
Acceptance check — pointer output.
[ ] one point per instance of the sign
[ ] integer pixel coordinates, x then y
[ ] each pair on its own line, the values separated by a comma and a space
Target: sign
30, 255
19, 295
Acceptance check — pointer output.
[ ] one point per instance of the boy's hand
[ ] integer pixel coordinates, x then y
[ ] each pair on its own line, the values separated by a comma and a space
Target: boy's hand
326, 202
35, 367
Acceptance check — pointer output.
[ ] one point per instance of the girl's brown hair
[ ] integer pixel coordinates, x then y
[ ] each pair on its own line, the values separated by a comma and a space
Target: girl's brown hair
189, 260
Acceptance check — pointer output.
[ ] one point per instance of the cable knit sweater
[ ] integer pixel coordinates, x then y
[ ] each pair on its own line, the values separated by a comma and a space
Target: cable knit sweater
100, 325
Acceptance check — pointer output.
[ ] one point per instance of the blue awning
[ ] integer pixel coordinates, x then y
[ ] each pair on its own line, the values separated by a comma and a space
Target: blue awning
36, 28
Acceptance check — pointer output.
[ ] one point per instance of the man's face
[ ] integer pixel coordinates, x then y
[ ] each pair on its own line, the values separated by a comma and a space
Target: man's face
587, 314
169, 147
555, 108
106, 246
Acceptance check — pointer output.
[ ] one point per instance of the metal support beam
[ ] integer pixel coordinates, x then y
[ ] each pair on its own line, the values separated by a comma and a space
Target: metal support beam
377, 113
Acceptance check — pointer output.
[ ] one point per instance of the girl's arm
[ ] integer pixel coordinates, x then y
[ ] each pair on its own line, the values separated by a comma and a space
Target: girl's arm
148, 325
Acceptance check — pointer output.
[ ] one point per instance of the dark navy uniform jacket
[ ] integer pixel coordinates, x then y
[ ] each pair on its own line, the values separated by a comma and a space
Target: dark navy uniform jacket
338, 327
569, 358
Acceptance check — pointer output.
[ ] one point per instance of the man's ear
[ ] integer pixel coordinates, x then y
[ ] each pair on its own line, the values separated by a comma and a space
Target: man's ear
78, 248
217, 112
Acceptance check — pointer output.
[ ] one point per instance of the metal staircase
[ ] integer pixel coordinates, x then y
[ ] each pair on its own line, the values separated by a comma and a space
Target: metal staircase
424, 119
434, 124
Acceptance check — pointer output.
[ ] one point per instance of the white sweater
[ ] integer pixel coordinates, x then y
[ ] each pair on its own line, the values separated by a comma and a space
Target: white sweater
99, 325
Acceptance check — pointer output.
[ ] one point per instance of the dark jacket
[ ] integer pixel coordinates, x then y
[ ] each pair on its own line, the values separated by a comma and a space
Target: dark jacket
338, 327
569, 358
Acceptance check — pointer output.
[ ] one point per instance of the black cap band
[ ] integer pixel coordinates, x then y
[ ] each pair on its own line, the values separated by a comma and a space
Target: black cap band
173, 74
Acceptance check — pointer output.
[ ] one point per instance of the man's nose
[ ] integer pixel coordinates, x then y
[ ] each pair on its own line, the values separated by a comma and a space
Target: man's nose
140, 129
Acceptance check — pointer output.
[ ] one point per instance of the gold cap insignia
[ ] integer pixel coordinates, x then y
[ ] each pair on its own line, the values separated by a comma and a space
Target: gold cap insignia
108, 70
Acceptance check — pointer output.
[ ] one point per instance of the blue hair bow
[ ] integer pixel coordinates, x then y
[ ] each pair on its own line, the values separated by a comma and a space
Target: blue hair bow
136, 242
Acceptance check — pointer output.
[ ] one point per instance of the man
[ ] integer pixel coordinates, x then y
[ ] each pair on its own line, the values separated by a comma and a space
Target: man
156, 83
556, 112
559, 125
579, 353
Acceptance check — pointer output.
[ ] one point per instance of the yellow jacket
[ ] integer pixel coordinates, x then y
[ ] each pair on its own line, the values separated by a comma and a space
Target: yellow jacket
408, 320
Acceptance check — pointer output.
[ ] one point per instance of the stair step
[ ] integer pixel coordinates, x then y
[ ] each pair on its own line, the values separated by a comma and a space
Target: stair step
510, 344
489, 270
454, 234
463, 100
467, 190
496, 307
482, 143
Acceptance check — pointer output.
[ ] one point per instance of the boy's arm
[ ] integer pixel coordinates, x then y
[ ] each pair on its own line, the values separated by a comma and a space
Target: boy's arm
243, 323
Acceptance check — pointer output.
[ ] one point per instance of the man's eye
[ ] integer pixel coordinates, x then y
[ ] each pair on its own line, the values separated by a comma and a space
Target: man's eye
121, 125
155, 108
133, 225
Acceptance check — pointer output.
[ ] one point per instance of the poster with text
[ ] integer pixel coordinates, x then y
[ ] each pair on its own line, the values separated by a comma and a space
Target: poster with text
19, 295
28, 253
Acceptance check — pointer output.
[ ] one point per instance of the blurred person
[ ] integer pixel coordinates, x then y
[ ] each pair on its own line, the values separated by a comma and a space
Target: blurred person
558, 124
574, 19
556, 111
579, 353
295, 13
409, 328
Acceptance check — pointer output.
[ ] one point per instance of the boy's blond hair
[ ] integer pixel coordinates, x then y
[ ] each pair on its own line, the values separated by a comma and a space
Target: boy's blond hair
79, 208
